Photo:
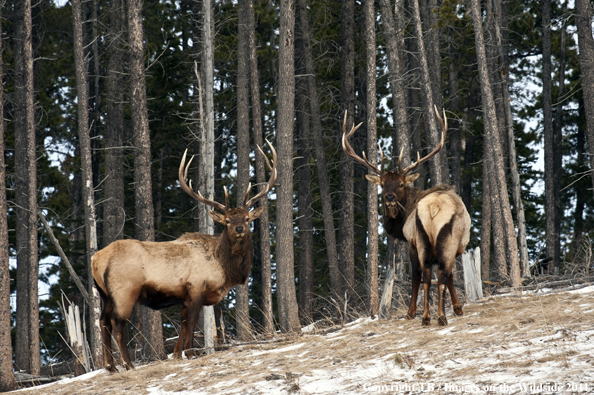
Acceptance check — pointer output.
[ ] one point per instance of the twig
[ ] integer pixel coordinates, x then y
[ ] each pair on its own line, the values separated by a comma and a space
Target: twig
73, 274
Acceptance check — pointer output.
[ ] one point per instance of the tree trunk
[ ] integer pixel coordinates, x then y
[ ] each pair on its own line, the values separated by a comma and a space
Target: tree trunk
551, 195
431, 19
499, 187
455, 141
144, 226
287, 300
515, 176
346, 231
113, 208
263, 221
371, 280
318, 141
305, 212
578, 216
393, 30
242, 305
486, 216
88, 191
7, 382
438, 167
583, 17
208, 153
27, 334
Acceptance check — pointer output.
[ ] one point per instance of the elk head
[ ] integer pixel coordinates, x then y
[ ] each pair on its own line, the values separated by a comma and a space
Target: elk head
394, 183
236, 221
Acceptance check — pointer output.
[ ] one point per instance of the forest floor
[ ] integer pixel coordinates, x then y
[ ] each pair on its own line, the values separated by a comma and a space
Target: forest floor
537, 343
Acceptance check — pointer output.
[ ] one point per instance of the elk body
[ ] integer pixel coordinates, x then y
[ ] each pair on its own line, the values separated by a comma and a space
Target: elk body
193, 271
434, 222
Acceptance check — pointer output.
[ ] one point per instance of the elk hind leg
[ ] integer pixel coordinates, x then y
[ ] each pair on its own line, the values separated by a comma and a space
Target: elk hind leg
426, 285
106, 329
443, 276
455, 302
416, 282
119, 330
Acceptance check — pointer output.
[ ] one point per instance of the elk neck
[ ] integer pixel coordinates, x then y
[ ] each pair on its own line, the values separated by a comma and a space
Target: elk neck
235, 256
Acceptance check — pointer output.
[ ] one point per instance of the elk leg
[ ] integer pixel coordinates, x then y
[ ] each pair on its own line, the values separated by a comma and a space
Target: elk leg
177, 351
426, 285
193, 312
455, 302
442, 278
416, 283
106, 329
119, 326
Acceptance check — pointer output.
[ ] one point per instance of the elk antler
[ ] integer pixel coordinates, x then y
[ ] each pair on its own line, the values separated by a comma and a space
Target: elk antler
271, 181
444, 128
183, 177
350, 152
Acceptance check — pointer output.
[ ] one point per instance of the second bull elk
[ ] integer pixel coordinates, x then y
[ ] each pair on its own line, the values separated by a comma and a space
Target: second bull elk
193, 271
434, 222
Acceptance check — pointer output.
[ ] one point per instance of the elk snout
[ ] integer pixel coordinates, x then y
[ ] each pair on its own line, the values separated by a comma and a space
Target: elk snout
390, 197
239, 229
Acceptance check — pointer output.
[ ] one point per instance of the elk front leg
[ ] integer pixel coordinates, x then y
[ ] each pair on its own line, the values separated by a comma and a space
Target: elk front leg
416, 283
177, 351
426, 286
193, 312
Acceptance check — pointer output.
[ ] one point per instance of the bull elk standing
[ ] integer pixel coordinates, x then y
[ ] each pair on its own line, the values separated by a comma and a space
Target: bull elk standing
193, 271
434, 222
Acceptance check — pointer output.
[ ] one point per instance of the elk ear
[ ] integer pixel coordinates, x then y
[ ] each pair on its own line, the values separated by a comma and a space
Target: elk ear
374, 179
412, 178
255, 213
218, 217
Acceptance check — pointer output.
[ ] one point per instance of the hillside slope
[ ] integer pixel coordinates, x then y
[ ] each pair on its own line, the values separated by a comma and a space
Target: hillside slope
537, 343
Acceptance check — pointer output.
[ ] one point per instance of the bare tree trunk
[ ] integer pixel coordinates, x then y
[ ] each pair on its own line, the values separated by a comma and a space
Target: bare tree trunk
393, 32
486, 215
27, 334
371, 281
431, 18
583, 17
263, 221
113, 208
287, 300
346, 231
499, 187
318, 141
144, 229
242, 305
438, 167
7, 382
515, 176
578, 216
552, 239
455, 141
88, 192
304, 209
208, 153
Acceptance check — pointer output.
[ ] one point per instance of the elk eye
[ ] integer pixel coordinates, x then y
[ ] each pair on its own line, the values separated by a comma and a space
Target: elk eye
246, 219
227, 221
401, 185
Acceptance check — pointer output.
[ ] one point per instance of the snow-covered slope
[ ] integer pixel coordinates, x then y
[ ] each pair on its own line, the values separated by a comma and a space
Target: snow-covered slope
534, 343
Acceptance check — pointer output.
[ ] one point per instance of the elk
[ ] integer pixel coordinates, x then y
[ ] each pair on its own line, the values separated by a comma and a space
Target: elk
434, 222
194, 270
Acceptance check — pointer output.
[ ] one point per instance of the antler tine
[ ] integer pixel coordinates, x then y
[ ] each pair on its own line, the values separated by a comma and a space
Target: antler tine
273, 174
227, 208
183, 177
350, 152
247, 194
438, 148
400, 159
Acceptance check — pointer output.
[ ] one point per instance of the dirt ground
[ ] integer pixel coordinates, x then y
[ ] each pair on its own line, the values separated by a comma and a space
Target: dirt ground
537, 343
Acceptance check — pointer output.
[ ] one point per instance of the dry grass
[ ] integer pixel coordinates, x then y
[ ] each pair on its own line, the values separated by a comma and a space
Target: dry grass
500, 337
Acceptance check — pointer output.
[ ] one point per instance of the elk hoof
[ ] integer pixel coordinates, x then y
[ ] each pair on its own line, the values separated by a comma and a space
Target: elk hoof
458, 310
410, 316
190, 354
128, 366
443, 321
177, 355
426, 321
110, 368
